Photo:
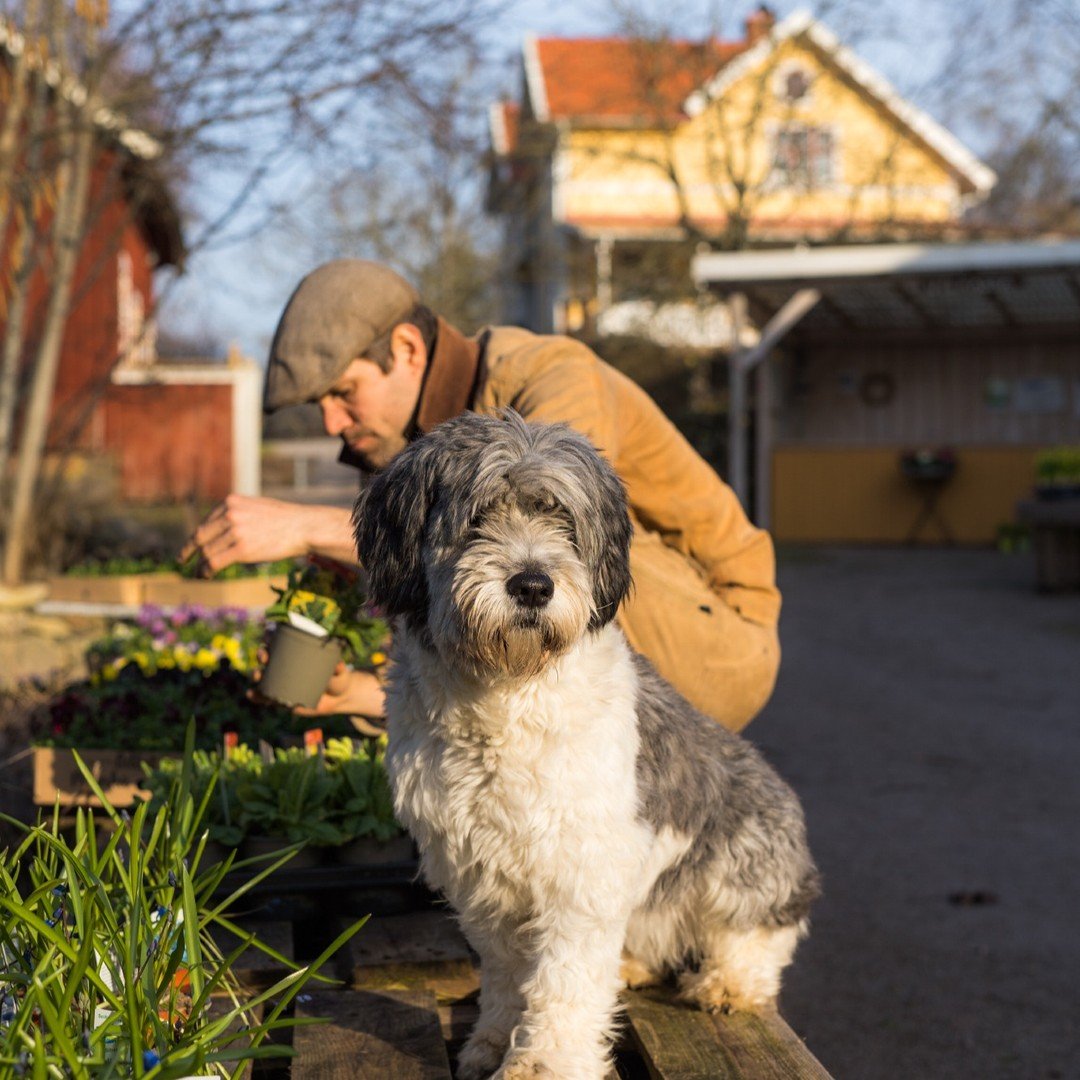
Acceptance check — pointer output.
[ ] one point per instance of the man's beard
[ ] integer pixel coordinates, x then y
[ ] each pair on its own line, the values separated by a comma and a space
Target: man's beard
377, 456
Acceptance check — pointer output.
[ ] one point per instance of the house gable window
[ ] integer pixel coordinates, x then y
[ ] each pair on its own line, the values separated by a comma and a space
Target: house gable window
791, 83
804, 157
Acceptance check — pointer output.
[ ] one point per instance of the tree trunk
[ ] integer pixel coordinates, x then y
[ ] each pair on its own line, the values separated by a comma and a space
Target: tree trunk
71, 213
23, 261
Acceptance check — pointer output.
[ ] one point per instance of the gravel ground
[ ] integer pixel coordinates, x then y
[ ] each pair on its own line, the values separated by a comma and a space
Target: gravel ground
928, 712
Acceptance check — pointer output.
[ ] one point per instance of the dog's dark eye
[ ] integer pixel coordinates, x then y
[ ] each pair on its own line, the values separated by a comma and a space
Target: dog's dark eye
546, 504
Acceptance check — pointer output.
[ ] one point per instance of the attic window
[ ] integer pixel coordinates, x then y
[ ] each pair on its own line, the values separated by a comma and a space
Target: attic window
796, 85
803, 156
791, 84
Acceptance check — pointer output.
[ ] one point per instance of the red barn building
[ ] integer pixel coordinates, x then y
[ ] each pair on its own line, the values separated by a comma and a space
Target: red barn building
171, 430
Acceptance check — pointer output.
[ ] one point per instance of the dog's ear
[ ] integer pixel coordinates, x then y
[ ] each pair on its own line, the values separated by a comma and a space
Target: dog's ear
388, 524
604, 532
612, 579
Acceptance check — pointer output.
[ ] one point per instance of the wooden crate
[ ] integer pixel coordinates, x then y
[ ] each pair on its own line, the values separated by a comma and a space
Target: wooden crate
57, 776
165, 589
173, 590
126, 589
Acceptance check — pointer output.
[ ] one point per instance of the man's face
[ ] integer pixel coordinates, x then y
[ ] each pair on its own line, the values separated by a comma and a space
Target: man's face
371, 409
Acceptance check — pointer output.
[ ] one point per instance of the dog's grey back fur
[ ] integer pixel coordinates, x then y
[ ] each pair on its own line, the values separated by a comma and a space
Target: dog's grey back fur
700, 780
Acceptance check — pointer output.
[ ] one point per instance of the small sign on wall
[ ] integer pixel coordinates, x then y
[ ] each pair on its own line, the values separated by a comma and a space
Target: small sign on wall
1039, 394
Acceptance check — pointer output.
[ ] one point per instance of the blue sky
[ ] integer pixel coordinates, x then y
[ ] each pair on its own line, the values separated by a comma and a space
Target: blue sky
235, 292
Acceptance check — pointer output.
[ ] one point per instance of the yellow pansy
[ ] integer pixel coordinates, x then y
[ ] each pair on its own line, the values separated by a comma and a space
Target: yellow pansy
205, 659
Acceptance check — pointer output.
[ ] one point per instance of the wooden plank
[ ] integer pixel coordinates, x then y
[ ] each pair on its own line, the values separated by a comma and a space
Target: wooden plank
459, 1017
450, 981
370, 1036
420, 951
421, 938
253, 968
679, 1042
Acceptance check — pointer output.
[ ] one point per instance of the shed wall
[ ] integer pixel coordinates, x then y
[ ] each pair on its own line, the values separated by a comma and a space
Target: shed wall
858, 495
1015, 390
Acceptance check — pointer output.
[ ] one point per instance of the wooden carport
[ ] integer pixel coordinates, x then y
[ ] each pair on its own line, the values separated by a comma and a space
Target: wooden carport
908, 344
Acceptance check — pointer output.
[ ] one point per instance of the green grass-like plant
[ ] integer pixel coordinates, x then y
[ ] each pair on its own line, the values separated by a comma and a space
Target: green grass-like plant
107, 959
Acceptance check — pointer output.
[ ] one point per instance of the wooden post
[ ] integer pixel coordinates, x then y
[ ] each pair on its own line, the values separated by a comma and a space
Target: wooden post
763, 441
742, 362
604, 246
737, 402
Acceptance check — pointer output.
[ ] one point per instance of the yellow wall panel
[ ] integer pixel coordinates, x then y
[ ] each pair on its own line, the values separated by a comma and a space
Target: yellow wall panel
858, 495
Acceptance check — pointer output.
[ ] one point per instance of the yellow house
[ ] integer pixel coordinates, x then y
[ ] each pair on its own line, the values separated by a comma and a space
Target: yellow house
624, 157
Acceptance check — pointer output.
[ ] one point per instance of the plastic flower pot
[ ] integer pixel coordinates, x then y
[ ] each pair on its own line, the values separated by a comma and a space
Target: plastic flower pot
299, 666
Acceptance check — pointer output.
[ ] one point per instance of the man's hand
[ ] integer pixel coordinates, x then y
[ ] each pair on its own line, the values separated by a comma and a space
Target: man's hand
356, 694
253, 529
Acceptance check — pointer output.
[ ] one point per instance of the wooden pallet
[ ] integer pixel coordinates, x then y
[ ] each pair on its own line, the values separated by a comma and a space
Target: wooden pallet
408, 998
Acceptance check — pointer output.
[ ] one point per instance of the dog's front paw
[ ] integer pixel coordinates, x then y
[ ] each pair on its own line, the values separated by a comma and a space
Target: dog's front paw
481, 1055
523, 1065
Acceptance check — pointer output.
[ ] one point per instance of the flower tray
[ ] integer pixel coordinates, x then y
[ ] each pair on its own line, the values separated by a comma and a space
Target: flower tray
57, 775
126, 589
166, 589
172, 590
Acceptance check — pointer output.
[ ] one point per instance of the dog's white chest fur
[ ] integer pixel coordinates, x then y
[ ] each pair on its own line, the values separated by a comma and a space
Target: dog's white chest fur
514, 791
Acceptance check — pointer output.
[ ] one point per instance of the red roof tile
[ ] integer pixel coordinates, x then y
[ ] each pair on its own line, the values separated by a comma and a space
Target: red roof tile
620, 78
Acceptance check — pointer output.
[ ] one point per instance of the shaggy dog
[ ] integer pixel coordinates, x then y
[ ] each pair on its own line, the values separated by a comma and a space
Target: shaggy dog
588, 825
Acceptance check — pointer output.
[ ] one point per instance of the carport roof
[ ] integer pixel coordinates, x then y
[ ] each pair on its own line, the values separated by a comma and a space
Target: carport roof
925, 288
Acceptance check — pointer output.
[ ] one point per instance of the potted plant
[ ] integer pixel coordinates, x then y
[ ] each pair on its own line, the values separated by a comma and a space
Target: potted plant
108, 960
1057, 473
335, 803
364, 808
322, 618
928, 466
284, 802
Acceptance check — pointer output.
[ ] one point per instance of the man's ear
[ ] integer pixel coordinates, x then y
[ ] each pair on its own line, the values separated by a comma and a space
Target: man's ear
407, 347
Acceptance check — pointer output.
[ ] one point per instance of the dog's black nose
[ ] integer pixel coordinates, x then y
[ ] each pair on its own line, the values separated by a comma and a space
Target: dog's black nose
531, 588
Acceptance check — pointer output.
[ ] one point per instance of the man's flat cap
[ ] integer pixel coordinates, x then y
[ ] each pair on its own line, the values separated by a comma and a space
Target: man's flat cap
336, 312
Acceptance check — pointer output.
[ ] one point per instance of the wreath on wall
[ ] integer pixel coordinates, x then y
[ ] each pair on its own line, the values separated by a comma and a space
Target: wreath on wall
877, 388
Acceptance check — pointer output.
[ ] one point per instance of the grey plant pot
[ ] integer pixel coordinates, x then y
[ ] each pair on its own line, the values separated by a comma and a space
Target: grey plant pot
299, 666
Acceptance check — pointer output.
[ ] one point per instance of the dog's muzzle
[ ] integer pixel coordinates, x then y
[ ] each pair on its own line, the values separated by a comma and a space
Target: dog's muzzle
531, 588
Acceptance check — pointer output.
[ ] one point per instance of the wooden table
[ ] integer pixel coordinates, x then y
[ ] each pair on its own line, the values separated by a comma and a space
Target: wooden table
409, 998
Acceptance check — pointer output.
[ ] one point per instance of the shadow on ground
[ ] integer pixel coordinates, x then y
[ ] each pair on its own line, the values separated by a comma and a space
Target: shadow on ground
928, 713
